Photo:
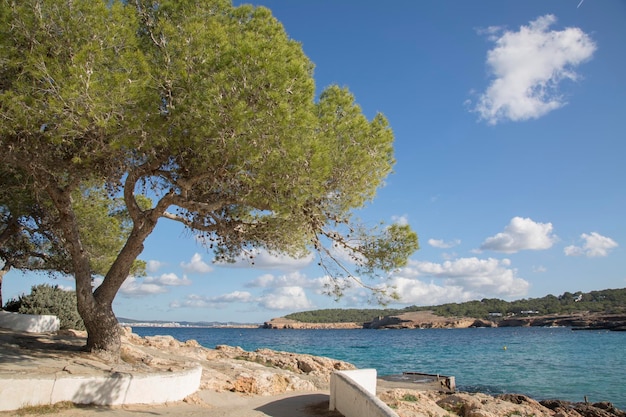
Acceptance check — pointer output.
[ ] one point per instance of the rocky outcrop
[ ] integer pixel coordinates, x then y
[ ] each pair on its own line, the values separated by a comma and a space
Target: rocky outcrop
570, 409
425, 320
270, 372
283, 323
428, 320
579, 321
228, 368
298, 363
412, 403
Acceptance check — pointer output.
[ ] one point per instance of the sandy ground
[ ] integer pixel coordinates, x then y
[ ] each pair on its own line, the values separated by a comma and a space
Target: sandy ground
224, 404
28, 354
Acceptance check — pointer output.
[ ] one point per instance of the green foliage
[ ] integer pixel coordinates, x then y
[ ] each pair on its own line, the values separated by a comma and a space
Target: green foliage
47, 299
208, 109
605, 301
339, 315
410, 398
105, 226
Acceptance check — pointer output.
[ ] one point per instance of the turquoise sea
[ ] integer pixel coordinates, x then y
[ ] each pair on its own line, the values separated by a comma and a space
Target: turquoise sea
539, 362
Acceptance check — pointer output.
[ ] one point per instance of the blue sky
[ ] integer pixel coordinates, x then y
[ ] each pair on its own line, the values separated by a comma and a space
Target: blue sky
509, 119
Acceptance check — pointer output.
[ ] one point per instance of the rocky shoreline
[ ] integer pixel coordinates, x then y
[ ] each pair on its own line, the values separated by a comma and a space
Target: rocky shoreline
268, 372
265, 372
428, 320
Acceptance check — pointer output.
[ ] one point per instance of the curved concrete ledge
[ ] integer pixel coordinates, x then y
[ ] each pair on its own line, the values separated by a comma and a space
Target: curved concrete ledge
117, 389
30, 323
353, 394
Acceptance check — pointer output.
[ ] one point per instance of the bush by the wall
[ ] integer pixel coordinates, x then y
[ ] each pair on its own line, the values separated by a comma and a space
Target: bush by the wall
48, 299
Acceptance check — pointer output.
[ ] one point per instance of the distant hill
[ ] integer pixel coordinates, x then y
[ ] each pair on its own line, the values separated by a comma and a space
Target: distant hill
604, 301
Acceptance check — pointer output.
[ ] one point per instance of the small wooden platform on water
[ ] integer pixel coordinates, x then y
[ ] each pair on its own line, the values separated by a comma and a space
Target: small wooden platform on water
418, 380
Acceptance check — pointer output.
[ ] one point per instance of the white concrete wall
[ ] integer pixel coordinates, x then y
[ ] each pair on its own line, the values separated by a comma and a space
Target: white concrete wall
30, 323
353, 394
118, 389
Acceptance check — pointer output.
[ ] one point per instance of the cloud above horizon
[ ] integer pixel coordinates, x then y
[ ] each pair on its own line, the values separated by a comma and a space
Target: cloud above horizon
263, 259
153, 265
441, 244
217, 302
521, 234
196, 265
282, 292
140, 287
285, 298
463, 278
428, 283
528, 66
595, 245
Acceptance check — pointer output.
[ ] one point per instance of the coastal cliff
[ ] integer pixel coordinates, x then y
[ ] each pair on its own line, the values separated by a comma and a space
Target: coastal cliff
412, 320
579, 321
429, 320
425, 320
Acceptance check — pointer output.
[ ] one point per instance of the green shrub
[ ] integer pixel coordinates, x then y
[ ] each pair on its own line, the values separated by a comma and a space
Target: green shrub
409, 398
48, 299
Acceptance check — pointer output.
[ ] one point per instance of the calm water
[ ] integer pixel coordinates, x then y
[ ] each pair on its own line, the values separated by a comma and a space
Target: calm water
539, 362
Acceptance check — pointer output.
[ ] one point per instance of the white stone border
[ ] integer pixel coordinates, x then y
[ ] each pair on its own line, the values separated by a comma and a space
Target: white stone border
117, 389
353, 394
30, 323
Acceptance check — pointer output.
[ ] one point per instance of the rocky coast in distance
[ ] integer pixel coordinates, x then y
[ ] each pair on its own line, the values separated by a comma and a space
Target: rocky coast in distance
233, 379
428, 320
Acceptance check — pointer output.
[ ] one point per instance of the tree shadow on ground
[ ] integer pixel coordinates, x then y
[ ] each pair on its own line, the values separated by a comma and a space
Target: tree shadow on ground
23, 347
308, 405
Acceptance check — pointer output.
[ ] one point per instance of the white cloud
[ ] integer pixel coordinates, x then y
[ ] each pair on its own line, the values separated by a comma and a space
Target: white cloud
264, 260
138, 287
134, 287
152, 266
417, 292
521, 234
401, 220
441, 244
196, 265
272, 281
221, 301
285, 298
464, 279
282, 298
595, 245
527, 66
169, 280
460, 280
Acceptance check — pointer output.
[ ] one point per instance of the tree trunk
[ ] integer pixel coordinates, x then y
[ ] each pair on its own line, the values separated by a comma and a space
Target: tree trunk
103, 333
3, 271
96, 306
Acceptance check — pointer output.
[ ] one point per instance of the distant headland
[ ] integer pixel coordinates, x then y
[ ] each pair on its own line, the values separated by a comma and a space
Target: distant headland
595, 310
428, 320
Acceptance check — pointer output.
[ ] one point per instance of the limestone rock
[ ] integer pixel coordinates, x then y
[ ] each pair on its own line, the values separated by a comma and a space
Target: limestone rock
298, 363
230, 368
412, 403
570, 409
425, 320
